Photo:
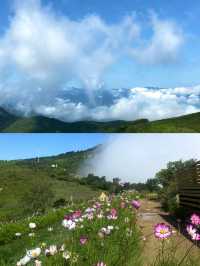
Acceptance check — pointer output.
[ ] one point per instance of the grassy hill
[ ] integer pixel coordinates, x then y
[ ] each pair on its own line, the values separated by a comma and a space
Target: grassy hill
39, 124
6, 119
18, 177
183, 124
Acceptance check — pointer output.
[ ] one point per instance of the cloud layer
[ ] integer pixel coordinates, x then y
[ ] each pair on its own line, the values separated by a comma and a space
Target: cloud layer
41, 53
137, 157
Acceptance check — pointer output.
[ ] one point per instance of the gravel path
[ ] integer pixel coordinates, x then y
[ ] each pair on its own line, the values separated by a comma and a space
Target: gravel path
150, 214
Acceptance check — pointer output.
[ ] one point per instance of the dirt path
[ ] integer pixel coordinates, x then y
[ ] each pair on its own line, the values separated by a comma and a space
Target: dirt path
150, 214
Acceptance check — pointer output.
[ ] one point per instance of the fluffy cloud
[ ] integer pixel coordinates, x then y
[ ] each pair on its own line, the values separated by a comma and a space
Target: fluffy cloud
41, 53
148, 103
165, 44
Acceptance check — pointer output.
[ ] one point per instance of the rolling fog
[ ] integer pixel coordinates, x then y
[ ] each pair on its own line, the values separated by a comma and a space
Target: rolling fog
138, 157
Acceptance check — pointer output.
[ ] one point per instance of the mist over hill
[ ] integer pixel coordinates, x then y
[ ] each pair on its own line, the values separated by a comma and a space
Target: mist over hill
10, 123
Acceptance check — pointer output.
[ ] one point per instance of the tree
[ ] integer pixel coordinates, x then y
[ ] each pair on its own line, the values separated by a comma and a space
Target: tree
39, 197
171, 178
152, 184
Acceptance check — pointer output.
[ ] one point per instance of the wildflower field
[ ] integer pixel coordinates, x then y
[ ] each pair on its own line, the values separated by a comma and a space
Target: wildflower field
93, 233
100, 232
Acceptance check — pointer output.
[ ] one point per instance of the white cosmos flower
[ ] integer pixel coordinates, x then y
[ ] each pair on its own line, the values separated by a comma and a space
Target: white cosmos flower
53, 250
62, 248
100, 216
90, 210
38, 263
69, 224
32, 225
18, 234
24, 261
67, 255
34, 253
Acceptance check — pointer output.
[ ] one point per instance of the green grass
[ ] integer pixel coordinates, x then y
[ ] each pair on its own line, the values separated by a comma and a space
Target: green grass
18, 177
184, 124
39, 124
13, 190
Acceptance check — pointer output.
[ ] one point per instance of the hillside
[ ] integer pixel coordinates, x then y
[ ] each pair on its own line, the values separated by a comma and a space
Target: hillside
183, 124
6, 119
18, 177
39, 124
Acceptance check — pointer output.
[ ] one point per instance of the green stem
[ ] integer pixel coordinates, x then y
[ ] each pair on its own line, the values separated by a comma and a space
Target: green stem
186, 254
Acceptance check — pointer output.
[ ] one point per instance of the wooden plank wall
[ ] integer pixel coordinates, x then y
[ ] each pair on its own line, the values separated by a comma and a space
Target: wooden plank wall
189, 195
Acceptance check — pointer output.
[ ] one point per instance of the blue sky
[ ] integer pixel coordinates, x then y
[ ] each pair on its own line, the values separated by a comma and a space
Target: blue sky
48, 45
18, 146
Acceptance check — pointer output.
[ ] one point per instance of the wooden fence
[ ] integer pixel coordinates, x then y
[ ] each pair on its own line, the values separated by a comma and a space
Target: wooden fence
189, 189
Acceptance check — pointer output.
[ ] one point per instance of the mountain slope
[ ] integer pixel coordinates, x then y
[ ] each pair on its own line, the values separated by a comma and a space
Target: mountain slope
6, 119
183, 124
61, 171
39, 124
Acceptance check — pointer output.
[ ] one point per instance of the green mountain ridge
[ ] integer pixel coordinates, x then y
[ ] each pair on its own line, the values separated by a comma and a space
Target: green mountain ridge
39, 124
17, 177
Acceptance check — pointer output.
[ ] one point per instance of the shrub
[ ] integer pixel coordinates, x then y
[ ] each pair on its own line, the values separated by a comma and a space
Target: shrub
59, 203
38, 198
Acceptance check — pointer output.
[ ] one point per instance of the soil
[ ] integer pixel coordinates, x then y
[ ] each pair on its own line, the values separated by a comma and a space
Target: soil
150, 214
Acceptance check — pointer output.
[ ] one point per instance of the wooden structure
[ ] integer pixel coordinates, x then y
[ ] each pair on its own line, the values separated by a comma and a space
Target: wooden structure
189, 189
103, 197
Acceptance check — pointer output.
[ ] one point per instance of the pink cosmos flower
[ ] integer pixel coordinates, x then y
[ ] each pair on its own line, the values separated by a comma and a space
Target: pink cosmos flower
192, 231
195, 219
113, 212
136, 204
90, 216
83, 240
101, 264
76, 214
73, 216
112, 215
97, 205
68, 217
162, 230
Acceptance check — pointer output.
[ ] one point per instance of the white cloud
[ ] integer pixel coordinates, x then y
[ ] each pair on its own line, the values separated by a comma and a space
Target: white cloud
141, 103
41, 53
137, 157
165, 44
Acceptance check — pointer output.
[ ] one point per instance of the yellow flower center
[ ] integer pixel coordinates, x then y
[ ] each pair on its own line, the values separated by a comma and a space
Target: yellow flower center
34, 254
163, 231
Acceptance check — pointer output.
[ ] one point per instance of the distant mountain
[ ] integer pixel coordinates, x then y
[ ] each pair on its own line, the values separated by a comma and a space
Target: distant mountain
6, 119
10, 123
